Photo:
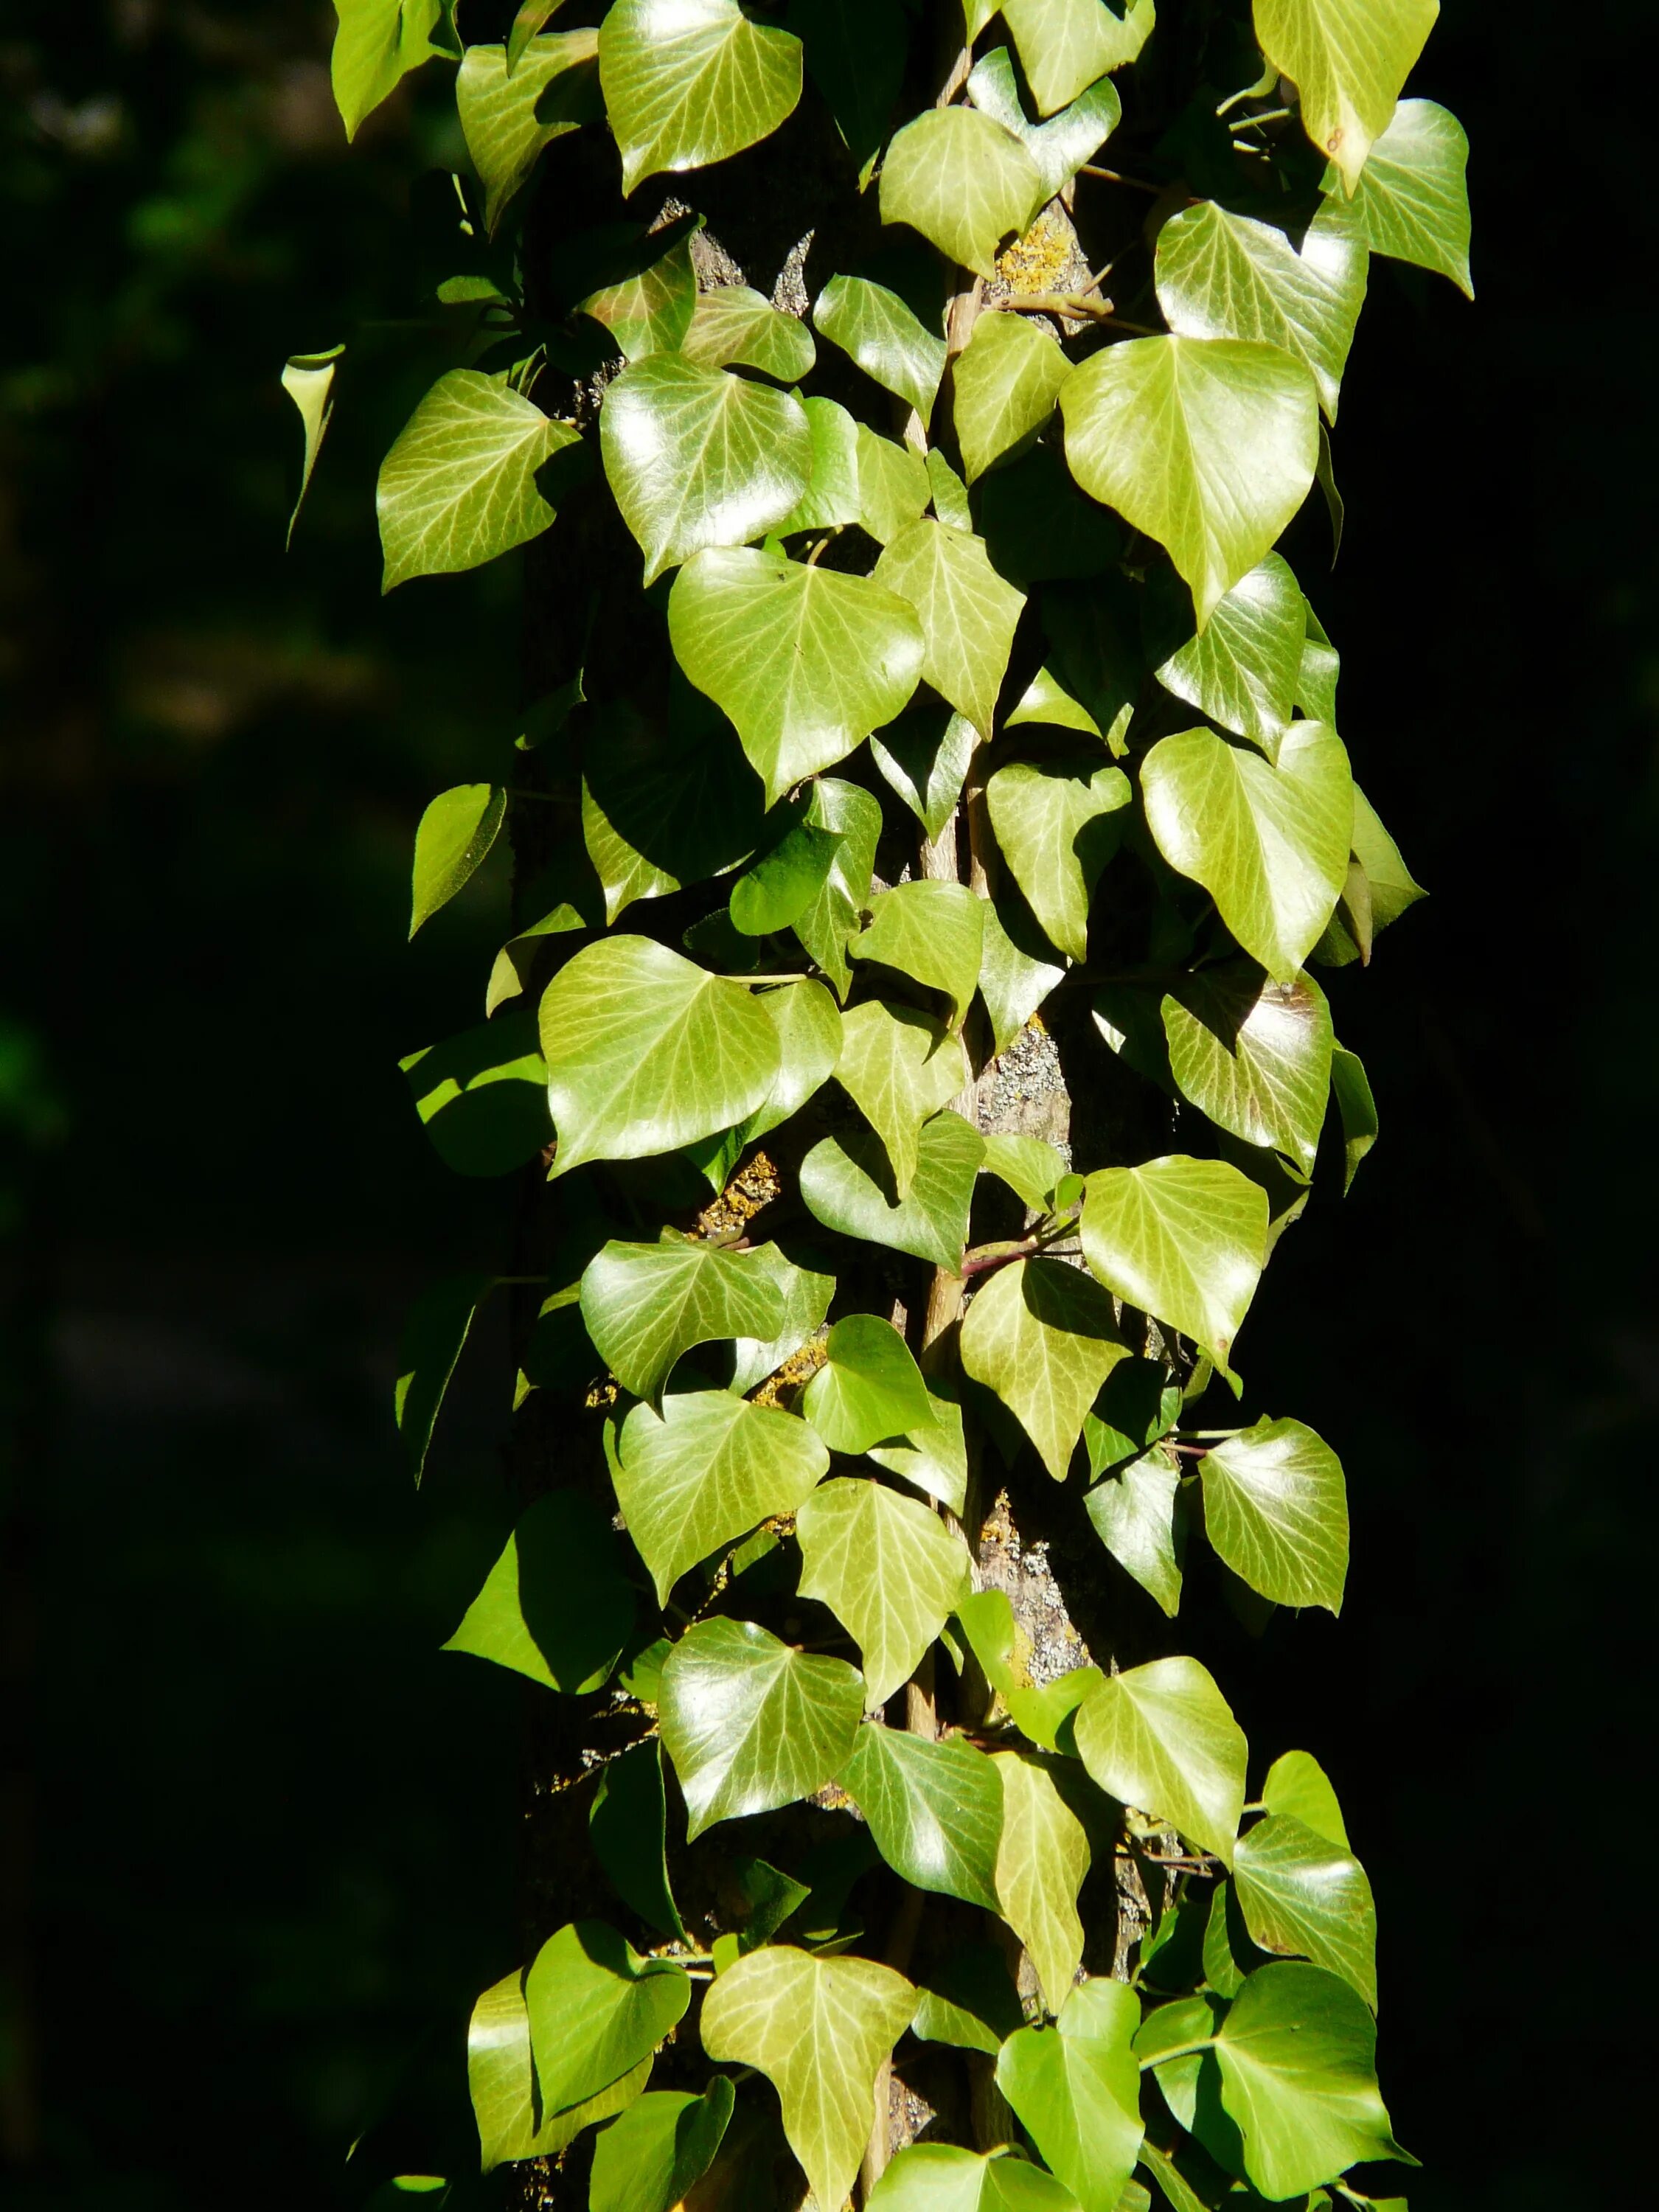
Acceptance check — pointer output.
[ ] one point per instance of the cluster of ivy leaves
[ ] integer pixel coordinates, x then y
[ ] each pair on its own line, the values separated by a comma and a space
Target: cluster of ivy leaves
969, 684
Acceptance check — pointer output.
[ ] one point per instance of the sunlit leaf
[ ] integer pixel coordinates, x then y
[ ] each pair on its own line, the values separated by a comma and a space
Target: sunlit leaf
649, 2158
899, 1066
1300, 1893
734, 325
481, 1095
894, 488
1041, 1857
968, 613
645, 1305
832, 498
845, 1181
1043, 1337
502, 2077
691, 82
1276, 1508
1298, 1788
1132, 1511
1061, 146
934, 2177
886, 1566
885, 338
834, 915
1412, 200
1004, 386
1348, 59
596, 2009
308, 380
1182, 1239
751, 1723
451, 844
868, 1388
506, 120
962, 181
651, 312
376, 44
1242, 670
933, 932
458, 486
1056, 828
1065, 44
1255, 1056
1162, 1737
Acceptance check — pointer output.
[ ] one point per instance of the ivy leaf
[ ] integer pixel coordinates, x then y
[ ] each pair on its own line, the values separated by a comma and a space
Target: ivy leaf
699, 457
1004, 386
736, 326
596, 2009
968, 614
832, 497
1269, 844
868, 1388
1297, 2052
706, 1469
1058, 148
1042, 1858
1298, 1789
898, 1067
805, 1297
1412, 198
651, 312
1255, 1056
525, 1618
1076, 2088
627, 1827
1356, 1109
827, 923
502, 2077
962, 181
894, 486
1162, 1737
934, 933
924, 757
841, 1180
1225, 276
647, 1052
808, 1023
1276, 1508
1013, 982
886, 1566
376, 44
1132, 1511
935, 1810
531, 18
940, 2178
1389, 888
752, 1724
1030, 1166
1242, 670
969, 2002
458, 486
1184, 1240
932, 1456
1044, 1338
648, 2160
1056, 828
805, 661
437, 1328
508, 119
481, 1095
1348, 59
1208, 445
688, 82
1065, 44
645, 1305
663, 805
1301, 1894
308, 380
776, 889
451, 844
819, 2029
951, 502
889, 343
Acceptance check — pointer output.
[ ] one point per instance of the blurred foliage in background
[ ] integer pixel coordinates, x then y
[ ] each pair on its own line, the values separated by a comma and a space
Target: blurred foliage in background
256, 1835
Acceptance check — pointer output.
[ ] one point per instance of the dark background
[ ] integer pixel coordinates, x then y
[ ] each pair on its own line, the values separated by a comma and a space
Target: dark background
258, 1834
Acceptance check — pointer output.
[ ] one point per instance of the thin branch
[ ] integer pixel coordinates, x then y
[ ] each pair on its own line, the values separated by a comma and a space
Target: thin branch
1273, 115
1116, 177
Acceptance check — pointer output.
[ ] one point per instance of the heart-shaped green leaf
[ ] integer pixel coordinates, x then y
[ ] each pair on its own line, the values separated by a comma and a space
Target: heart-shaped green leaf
1041, 1857
1412, 200
1241, 670
1058, 148
1348, 59
596, 2009
458, 486
1184, 1240
932, 1456
1276, 1508
501, 2076
699, 457
1208, 445
934, 933
970, 1999
806, 1299
886, 1566
806, 662
1270, 844
567, 1636
940, 2178
776, 890
1377, 891
645, 1305
968, 613
1030, 1166
1065, 44
649, 2159
819, 2029
1014, 979
691, 82
1225, 276
1054, 826
1078, 2095
887, 340
832, 497
962, 181
646, 1051
707, 1469
868, 1388
1043, 1337
1004, 386
1132, 1511
1162, 1737
924, 757
376, 44
478, 1096
898, 1067
894, 488
651, 312
1303, 1894
843, 1179
508, 119
451, 844
735, 325
935, 1810
750, 1723
1255, 1056
627, 1827
808, 1023
1299, 1787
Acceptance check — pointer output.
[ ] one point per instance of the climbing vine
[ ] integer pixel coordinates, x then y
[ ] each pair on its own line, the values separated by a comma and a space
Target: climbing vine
932, 847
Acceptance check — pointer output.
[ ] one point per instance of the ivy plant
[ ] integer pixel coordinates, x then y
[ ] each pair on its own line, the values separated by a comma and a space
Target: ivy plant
935, 858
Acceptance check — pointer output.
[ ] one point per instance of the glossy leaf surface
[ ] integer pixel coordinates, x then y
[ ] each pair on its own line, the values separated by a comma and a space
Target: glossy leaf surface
1276, 1508
1077, 2090
1182, 1239
750, 1723
1412, 200
845, 1182
1255, 1056
1054, 826
935, 1810
968, 613
1065, 44
1060, 146
941, 2177
1004, 386
1162, 1737
451, 844
645, 1305
1242, 670
1042, 1858
887, 1566
1044, 1338
691, 82
650, 2158
458, 486
501, 2078
596, 2009
1301, 1894
508, 119
868, 1388
1348, 59
1298, 2077
706, 1469
885, 336
933, 932
962, 181
524, 1618
899, 1066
